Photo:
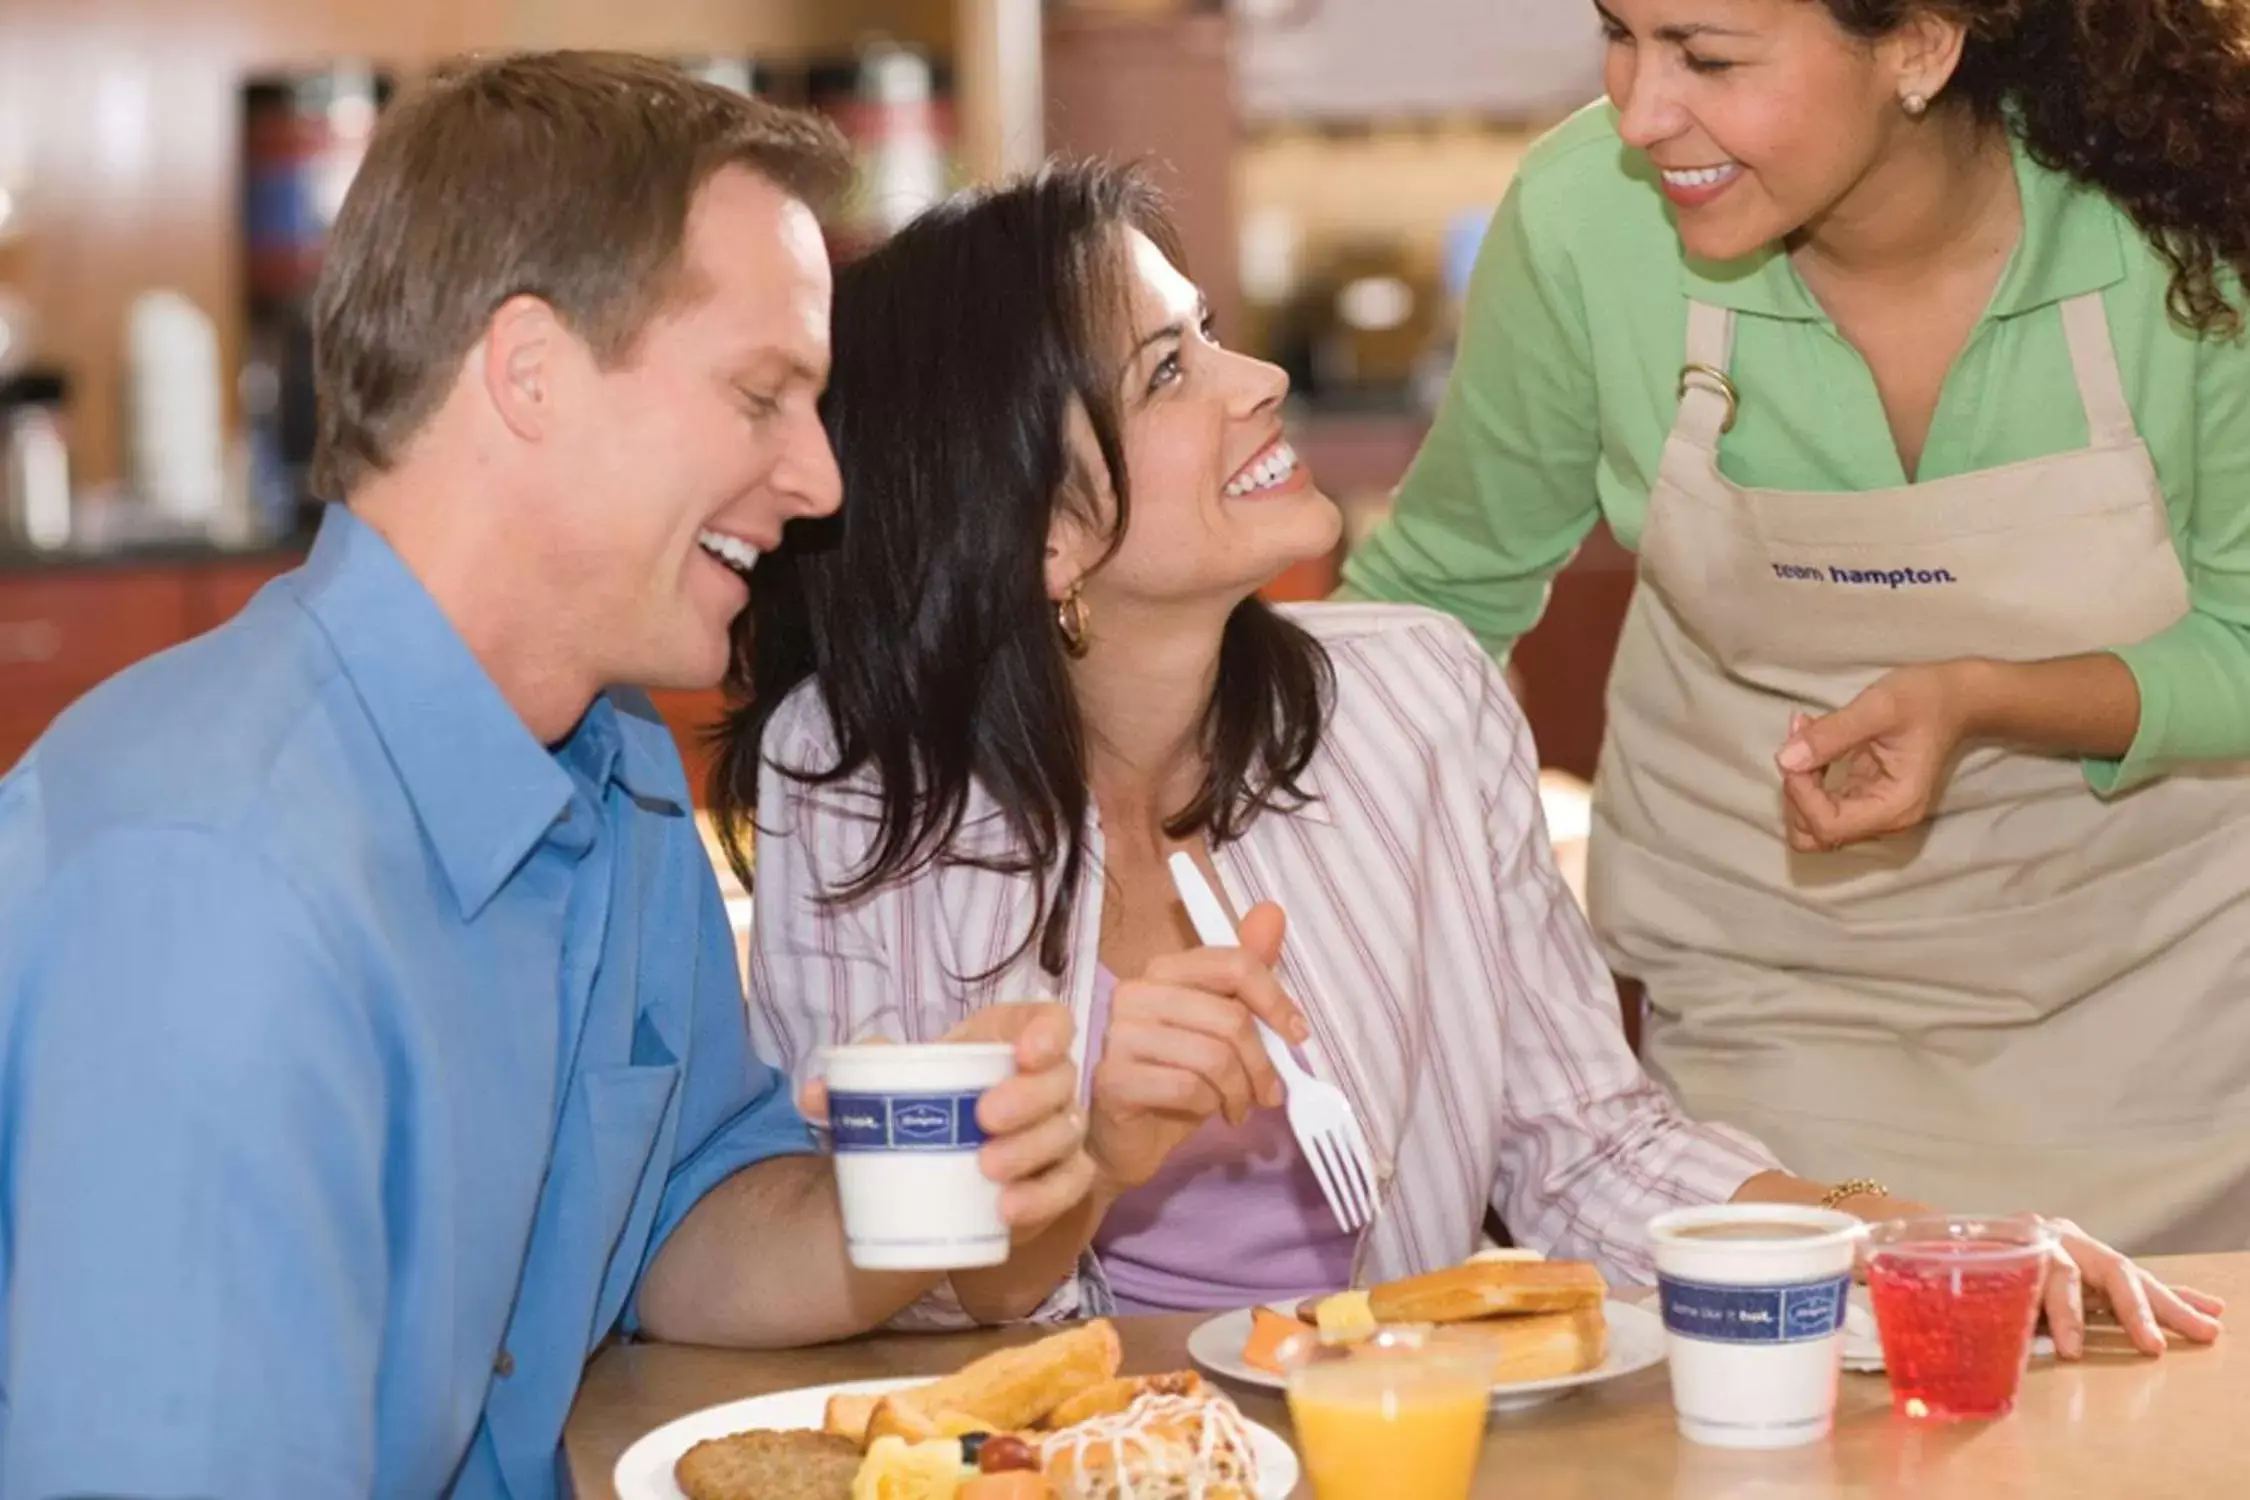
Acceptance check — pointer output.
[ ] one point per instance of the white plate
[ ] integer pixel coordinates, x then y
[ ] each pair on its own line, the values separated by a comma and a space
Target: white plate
1636, 1342
1863, 1346
645, 1472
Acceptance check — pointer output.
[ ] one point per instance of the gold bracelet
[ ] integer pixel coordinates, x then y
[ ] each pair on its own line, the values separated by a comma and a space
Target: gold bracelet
1858, 1187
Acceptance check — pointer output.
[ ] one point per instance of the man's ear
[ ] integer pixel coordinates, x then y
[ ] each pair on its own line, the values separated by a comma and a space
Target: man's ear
521, 359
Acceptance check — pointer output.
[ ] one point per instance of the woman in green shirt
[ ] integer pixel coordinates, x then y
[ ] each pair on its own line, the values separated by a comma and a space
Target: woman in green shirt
1900, 341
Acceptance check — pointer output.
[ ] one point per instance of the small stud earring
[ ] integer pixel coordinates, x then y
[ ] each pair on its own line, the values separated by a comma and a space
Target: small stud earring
1916, 105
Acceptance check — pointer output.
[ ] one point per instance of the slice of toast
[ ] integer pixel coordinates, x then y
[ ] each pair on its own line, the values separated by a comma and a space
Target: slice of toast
1008, 1391
1484, 1289
1540, 1346
850, 1417
847, 1417
1116, 1395
1489, 1289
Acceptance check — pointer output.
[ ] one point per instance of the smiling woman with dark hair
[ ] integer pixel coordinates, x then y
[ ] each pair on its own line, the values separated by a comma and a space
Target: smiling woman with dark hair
1027, 663
911, 612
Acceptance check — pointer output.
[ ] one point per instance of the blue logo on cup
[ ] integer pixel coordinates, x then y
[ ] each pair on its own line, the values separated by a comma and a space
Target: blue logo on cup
1810, 1317
1783, 1313
922, 1124
905, 1122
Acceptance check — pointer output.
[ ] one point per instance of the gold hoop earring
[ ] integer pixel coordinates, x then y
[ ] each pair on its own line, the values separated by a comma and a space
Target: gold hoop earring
1916, 105
1071, 619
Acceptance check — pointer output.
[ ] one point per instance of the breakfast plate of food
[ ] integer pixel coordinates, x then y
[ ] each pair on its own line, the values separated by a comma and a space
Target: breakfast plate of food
1052, 1420
1552, 1326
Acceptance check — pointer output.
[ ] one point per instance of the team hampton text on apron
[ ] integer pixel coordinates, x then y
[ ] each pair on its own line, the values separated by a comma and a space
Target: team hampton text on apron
2039, 999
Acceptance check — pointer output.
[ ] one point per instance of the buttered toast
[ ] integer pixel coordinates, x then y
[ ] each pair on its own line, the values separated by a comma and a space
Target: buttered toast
1482, 1289
1007, 1391
1540, 1346
1112, 1396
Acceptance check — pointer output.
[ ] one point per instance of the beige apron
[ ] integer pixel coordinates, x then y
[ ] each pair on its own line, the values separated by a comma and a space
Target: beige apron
2038, 999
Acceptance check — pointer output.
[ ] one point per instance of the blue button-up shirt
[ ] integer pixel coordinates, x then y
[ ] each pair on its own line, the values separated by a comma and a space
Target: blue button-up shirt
357, 1053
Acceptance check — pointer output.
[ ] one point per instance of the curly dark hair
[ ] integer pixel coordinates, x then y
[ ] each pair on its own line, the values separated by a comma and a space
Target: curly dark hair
2147, 100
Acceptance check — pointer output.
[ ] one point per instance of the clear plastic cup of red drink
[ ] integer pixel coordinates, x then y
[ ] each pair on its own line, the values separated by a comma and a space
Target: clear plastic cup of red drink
1956, 1300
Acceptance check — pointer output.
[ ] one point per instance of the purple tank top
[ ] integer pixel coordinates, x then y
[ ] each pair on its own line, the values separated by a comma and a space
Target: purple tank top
1234, 1217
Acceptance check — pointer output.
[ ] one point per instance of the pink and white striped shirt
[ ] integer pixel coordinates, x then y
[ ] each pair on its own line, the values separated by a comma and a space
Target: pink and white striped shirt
1453, 989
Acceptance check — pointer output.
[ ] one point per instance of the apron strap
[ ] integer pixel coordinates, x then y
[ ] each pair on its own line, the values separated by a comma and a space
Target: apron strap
1707, 395
2109, 419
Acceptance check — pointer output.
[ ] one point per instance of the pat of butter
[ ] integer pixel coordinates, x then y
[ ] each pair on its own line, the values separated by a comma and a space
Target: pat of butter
1346, 1318
1502, 1254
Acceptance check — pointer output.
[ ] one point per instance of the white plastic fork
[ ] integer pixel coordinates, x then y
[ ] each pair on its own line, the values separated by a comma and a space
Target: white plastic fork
1319, 1114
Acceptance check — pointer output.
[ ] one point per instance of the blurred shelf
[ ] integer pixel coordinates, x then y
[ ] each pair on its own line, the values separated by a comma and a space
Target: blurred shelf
270, 557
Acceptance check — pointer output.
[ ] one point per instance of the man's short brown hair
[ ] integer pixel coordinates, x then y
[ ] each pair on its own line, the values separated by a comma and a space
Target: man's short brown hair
563, 175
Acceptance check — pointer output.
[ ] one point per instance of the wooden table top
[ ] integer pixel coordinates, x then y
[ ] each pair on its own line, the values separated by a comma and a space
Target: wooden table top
2112, 1427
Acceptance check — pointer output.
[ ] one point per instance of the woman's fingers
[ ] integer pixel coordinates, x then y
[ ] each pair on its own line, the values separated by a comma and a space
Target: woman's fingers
2174, 1310
1137, 1089
1022, 1100
1215, 1062
2065, 1301
1036, 1202
1237, 974
2128, 1301
2202, 1302
1149, 1008
2117, 1281
1040, 1148
1807, 809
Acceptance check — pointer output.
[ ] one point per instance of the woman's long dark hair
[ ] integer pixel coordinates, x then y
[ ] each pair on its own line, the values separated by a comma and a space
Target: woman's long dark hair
2147, 100
920, 610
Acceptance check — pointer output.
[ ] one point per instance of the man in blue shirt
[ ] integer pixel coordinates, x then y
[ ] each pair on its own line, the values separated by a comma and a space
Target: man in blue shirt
371, 1038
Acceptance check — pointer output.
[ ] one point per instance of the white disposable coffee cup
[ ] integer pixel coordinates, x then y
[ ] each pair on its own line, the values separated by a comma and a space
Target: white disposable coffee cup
903, 1122
1755, 1326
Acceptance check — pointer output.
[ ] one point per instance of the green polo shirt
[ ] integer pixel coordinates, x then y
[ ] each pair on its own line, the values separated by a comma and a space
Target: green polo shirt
1567, 387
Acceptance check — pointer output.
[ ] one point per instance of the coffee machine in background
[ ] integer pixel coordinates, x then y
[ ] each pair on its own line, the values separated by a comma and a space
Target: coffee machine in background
894, 106
303, 137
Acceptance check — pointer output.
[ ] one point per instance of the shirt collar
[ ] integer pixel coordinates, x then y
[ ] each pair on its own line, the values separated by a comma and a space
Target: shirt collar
624, 739
2072, 244
483, 788
2073, 240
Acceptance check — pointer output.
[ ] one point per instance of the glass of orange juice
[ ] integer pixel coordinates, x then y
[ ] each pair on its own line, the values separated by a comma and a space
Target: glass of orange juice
1399, 1413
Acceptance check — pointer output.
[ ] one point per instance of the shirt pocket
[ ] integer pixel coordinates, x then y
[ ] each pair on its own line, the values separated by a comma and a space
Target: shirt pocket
624, 1119
624, 1112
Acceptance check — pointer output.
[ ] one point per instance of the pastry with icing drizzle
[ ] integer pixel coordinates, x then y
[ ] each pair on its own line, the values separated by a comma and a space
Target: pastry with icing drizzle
1162, 1447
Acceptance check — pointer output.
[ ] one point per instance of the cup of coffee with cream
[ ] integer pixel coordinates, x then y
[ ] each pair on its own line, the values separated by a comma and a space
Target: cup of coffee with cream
1753, 1297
